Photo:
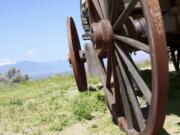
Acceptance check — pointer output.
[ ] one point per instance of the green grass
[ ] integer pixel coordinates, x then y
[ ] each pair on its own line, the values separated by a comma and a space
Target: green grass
49, 106
54, 105
87, 103
35, 106
172, 125
143, 64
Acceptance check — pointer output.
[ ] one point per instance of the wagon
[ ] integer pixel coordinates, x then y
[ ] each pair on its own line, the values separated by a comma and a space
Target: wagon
113, 30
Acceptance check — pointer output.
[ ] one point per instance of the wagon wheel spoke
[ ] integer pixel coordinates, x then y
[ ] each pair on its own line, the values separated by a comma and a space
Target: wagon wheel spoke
122, 94
106, 7
124, 15
133, 43
116, 9
109, 71
108, 92
101, 2
132, 98
98, 8
103, 75
112, 8
95, 10
140, 82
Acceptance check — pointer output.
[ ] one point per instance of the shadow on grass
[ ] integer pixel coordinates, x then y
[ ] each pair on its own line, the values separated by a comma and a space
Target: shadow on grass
174, 90
174, 94
174, 97
164, 132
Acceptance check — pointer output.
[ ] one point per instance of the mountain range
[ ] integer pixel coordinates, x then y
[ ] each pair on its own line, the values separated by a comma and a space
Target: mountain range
39, 70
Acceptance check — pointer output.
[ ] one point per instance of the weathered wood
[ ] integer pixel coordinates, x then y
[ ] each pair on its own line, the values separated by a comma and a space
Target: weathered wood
124, 97
133, 43
125, 13
140, 82
131, 95
109, 71
98, 8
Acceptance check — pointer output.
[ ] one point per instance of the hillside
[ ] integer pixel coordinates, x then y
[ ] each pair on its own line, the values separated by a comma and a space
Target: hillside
39, 70
54, 106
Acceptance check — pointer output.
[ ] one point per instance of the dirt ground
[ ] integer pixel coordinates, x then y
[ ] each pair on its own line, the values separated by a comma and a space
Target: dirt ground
76, 129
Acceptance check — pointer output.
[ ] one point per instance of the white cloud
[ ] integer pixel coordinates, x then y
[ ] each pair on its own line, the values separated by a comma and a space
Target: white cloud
5, 62
30, 52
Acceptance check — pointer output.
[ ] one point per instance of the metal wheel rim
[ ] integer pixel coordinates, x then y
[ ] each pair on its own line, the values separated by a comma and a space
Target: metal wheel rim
74, 48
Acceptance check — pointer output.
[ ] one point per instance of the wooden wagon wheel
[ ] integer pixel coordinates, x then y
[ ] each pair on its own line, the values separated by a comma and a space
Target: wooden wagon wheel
74, 56
118, 29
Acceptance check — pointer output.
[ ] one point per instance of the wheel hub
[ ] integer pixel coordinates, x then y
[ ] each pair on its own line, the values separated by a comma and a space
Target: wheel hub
103, 34
136, 27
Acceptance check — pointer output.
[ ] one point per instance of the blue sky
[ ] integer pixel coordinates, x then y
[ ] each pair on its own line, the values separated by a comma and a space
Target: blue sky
35, 30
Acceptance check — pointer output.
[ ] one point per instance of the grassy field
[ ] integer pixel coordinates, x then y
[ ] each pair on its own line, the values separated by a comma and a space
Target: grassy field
55, 107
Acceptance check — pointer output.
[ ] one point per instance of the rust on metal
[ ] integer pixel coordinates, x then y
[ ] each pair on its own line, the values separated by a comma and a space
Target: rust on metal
74, 55
103, 34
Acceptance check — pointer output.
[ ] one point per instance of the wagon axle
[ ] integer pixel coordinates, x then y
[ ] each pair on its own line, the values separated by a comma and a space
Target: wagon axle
136, 27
